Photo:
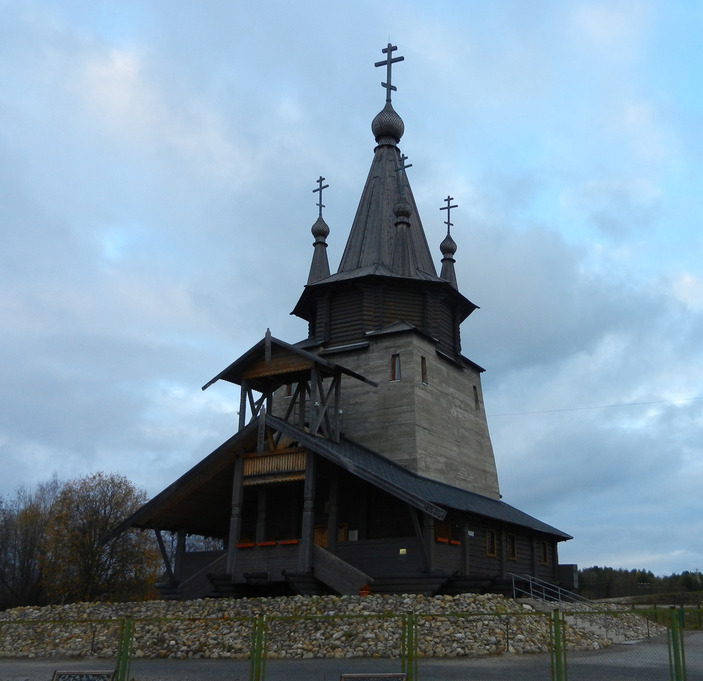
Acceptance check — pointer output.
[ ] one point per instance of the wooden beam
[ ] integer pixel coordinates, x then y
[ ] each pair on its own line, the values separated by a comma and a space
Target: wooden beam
420, 537
164, 555
244, 389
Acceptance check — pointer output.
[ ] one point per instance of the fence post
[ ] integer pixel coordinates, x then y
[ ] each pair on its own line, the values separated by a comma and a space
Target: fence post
558, 651
257, 660
409, 648
677, 660
124, 650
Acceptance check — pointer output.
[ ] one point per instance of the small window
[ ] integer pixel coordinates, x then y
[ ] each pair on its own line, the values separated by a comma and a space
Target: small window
544, 553
477, 403
395, 367
512, 547
423, 369
491, 543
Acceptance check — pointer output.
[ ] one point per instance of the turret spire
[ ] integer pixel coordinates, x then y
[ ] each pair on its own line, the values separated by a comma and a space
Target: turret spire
448, 246
401, 262
319, 268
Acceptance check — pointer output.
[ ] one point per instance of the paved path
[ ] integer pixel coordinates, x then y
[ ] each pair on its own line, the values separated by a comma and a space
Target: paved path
647, 661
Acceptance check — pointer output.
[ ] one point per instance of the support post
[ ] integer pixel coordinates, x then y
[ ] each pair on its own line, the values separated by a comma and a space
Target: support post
180, 553
332, 513
677, 660
259, 649
466, 549
261, 516
409, 648
124, 650
558, 648
235, 519
428, 537
338, 407
315, 399
308, 529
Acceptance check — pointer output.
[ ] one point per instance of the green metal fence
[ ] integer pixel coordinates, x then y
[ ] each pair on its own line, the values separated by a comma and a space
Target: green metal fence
557, 645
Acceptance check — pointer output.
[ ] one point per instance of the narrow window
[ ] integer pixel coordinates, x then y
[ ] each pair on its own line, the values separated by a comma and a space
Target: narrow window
395, 367
289, 390
544, 553
490, 542
477, 404
512, 547
423, 369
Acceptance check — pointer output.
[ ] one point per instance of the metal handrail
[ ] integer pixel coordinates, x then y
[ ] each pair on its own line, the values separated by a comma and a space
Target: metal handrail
538, 588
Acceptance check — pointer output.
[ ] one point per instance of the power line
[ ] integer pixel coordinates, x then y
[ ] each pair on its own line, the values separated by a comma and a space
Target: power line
601, 406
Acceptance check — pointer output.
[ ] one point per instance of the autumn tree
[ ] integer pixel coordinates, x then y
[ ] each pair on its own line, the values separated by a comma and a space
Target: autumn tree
77, 564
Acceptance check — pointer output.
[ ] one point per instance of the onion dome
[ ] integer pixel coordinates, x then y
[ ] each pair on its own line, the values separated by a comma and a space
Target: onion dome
448, 246
387, 126
402, 210
320, 230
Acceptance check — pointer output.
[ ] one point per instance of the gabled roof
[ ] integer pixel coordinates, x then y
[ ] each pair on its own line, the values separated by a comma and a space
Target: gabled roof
402, 483
199, 501
273, 362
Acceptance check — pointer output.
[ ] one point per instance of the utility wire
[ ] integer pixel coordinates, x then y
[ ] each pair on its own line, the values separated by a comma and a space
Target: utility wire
601, 406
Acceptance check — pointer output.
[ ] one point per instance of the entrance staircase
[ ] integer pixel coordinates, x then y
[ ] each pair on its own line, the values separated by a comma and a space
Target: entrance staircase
606, 621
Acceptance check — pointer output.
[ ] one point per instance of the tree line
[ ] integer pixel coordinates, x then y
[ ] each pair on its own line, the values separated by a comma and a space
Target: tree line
52, 549
606, 582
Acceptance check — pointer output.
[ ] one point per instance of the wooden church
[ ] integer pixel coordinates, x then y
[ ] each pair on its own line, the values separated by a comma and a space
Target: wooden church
363, 459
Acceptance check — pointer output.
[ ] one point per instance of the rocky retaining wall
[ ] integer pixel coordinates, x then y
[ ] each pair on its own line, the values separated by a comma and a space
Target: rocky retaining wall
305, 627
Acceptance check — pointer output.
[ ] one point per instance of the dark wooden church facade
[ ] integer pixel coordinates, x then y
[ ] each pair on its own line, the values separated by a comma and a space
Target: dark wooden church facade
363, 458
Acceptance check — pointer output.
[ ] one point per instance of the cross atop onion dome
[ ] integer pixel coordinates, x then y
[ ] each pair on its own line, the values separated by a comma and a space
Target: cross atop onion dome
388, 126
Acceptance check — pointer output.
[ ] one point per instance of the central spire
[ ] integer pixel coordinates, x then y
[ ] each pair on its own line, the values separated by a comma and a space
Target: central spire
375, 233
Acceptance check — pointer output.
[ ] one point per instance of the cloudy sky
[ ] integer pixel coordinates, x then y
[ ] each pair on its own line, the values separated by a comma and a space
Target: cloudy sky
157, 161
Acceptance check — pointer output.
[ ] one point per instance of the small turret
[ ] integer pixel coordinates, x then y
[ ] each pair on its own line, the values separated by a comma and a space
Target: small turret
319, 268
448, 248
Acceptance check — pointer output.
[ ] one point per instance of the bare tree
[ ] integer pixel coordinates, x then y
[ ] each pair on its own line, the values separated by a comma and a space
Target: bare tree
23, 520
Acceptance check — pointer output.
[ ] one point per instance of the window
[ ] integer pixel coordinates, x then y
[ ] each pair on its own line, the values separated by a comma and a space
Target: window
512, 547
544, 553
395, 367
423, 369
491, 543
477, 404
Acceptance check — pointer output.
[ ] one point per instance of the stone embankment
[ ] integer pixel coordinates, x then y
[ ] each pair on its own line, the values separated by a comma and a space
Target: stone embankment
305, 627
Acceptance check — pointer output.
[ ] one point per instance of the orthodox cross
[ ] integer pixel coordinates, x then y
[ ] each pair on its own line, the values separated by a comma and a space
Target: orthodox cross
320, 187
448, 208
402, 165
388, 61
